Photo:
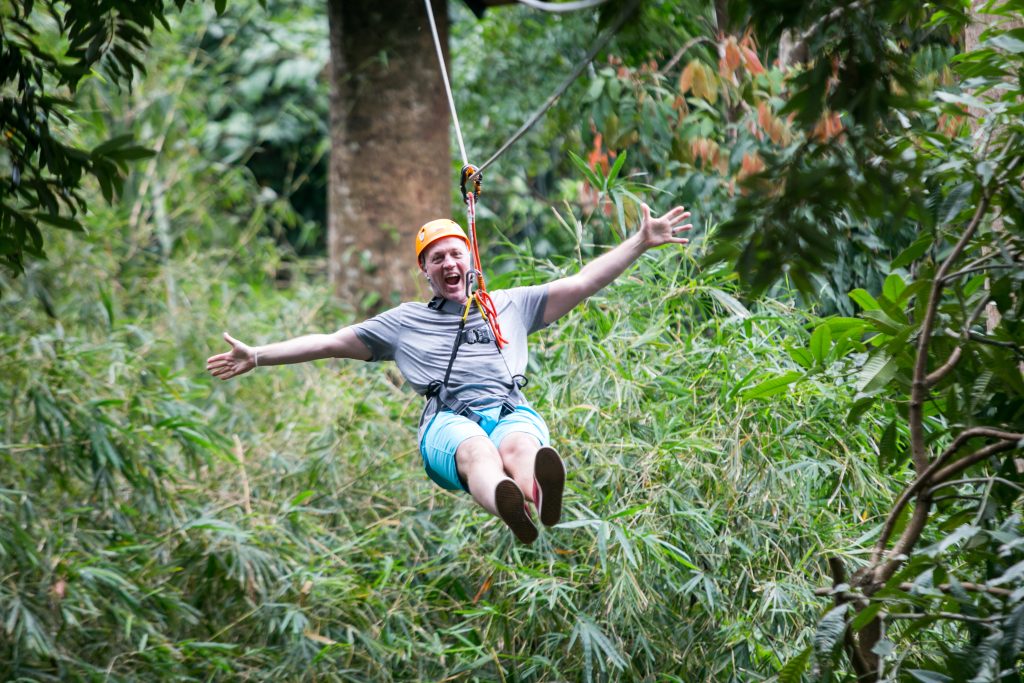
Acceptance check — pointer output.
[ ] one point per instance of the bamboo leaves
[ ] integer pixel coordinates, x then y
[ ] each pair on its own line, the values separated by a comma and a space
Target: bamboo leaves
596, 647
827, 638
772, 385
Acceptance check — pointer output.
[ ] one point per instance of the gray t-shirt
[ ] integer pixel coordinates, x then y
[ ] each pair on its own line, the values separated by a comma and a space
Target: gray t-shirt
419, 338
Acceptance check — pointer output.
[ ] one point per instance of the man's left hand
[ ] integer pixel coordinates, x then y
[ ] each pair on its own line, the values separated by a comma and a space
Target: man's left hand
663, 230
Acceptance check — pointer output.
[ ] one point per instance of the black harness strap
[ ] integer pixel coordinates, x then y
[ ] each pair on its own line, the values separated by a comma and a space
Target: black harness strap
438, 389
455, 349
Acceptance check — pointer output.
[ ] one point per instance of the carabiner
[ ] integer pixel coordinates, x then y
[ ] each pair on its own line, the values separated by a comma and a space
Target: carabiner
472, 282
469, 171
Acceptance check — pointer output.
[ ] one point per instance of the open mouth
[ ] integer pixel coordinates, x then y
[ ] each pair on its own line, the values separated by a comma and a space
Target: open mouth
452, 279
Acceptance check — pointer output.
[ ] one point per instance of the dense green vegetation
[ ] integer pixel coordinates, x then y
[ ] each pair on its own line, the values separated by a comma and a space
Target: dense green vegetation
747, 423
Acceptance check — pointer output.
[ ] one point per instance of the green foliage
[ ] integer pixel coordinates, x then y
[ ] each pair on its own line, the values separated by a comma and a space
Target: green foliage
937, 345
155, 524
47, 50
143, 541
516, 49
157, 546
271, 109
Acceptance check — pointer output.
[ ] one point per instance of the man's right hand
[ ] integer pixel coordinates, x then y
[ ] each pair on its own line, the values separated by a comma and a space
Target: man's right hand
239, 360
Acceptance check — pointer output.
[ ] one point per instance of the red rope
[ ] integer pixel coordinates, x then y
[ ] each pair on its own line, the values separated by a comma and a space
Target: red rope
484, 301
491, 316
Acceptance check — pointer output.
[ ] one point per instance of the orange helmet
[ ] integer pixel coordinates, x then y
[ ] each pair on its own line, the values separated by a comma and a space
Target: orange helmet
435, 230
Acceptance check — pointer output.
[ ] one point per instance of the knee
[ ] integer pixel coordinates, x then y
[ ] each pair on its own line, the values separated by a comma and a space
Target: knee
518, 452
519, 446
476, 452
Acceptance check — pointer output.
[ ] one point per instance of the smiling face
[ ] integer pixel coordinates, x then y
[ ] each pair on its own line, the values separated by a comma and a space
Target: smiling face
445, 263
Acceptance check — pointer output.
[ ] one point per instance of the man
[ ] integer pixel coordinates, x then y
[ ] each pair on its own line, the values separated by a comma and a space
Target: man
477, 433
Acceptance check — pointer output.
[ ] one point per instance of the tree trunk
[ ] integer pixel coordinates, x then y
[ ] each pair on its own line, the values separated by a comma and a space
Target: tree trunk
390, 168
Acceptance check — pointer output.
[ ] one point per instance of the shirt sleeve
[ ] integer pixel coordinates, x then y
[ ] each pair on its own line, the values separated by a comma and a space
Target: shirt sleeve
381, 334
531, 302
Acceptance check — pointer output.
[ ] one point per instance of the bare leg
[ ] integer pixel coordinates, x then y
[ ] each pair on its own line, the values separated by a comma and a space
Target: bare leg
480, 464
518, 451
538, 471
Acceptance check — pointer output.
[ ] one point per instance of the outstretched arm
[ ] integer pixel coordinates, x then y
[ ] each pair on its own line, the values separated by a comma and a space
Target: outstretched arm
242, 358
564, 294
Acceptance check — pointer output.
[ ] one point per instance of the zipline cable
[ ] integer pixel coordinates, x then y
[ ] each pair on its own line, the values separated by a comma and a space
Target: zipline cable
599, 45
561, 6
627, 11
447, 86
480, 296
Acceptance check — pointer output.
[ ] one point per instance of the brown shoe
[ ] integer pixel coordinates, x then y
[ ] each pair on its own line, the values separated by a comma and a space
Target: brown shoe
511, 505
549, 472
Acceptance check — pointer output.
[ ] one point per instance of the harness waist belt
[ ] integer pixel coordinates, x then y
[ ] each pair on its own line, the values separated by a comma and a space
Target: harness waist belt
447, 400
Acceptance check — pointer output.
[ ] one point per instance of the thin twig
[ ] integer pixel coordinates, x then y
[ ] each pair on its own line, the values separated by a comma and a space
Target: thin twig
975, 269
945, 615
975, 480
969, 587
682, 51
982, 339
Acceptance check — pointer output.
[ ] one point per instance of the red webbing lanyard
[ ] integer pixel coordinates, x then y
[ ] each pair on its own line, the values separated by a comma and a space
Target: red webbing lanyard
483, 299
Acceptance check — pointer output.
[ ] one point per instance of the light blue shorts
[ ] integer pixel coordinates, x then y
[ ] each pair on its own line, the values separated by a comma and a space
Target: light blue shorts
446, 431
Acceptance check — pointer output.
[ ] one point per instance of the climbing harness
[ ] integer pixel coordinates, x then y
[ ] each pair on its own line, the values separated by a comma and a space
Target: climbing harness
476, 295
470, 179
438, 389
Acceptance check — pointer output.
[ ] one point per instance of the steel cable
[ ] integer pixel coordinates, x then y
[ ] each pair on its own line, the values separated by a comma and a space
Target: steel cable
561, 6
559, 91
447, 85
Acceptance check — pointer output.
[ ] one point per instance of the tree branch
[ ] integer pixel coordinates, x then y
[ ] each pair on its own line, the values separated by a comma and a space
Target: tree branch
926, 478
919, 386
976, 457
917, 522
936, 376
906, 541
946, 615
838, 571
850, 596
976, 480
854, 644
970, 587
799, 46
